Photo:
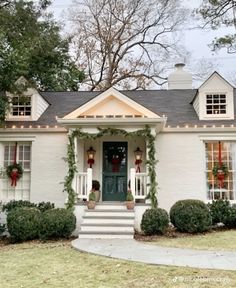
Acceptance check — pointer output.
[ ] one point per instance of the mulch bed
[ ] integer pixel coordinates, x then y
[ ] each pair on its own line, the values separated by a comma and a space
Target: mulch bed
173, 233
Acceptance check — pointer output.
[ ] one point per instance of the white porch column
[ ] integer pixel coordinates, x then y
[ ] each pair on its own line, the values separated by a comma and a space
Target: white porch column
76, 150
153, 133
132, 181
89, 180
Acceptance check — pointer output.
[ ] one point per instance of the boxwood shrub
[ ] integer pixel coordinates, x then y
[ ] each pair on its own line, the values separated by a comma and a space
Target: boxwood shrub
220, 211
230, 221
190, 216
17, 204
23, 223
154, 221
56, 223
42, 206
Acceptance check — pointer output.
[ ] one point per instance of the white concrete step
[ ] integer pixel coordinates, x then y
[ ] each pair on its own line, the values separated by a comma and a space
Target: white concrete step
109, 212
108, 220
111, 205
107, 227
105, 235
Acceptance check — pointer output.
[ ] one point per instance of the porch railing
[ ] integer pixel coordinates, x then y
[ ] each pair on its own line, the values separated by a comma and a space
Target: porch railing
83, 184
138, 184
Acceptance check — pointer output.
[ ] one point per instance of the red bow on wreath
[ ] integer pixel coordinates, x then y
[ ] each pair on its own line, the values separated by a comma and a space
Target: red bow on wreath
220, 170
14, 171
14, 176
116, 164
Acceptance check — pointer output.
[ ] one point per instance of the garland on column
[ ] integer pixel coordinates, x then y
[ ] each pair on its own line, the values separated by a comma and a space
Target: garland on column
71, 171
151, 162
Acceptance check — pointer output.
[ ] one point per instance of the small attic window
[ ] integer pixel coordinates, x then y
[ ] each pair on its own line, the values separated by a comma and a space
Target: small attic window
21, 106
216, 104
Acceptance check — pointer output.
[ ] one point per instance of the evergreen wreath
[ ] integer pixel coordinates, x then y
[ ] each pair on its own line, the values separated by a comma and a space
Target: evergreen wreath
13, 166
151, 162
220, 167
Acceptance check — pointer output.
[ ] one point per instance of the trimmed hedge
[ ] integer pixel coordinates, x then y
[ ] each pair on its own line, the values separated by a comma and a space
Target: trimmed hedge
23, 223
190, 216
56, 223
42, 206
17, 204
230, 221
154, 221
220, 211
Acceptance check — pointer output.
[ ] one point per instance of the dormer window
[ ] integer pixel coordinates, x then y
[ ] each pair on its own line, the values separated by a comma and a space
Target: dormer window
215, 104
21, 106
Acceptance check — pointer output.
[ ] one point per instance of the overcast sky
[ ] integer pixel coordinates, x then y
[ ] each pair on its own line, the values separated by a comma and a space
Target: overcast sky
196, 40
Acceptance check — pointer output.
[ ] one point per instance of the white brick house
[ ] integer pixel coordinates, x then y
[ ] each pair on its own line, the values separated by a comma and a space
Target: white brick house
188, 125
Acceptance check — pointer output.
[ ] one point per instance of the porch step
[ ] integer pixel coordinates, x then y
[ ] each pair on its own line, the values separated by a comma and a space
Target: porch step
108, 222
108, 219
111, 205
109, 212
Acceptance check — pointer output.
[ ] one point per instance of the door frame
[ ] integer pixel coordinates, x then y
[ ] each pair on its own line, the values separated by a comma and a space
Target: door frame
102, 164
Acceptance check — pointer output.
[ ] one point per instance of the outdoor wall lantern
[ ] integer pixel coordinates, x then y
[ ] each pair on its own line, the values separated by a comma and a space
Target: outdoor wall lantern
138, 158
91, 155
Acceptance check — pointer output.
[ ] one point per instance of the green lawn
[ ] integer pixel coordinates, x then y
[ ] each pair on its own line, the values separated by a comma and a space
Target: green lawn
56, 264
215, 240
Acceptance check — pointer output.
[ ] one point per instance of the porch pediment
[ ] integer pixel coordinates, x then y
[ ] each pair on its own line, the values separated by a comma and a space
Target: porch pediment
111, 104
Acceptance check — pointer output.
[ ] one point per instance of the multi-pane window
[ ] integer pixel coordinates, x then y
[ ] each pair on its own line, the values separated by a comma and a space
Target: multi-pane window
22, 152
215, 104
215, 189
21, 106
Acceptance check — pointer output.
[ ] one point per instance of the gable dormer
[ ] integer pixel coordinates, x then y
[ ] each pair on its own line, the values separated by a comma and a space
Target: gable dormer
28, 106
111, 104
215, 99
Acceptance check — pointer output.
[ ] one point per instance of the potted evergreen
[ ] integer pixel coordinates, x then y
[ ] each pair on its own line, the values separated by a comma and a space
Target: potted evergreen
129, 200
91, 203
96, 189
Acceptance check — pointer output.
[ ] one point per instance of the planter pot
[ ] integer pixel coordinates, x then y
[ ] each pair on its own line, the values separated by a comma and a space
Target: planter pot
91, 204
97, 194
130, 205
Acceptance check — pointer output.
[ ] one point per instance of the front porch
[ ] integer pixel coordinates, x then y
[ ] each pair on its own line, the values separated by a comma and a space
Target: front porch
138, 184
118, 166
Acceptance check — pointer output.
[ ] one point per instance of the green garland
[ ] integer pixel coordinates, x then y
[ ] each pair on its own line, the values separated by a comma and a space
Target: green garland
151, 162
72, 169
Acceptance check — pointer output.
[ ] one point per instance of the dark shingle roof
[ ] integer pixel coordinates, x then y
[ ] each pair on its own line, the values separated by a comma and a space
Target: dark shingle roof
175, 104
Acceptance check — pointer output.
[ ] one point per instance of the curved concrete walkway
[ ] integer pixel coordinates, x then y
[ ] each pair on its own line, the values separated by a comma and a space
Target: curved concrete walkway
147, 253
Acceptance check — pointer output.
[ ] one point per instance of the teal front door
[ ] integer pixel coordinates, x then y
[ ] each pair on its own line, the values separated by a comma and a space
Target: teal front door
114, 171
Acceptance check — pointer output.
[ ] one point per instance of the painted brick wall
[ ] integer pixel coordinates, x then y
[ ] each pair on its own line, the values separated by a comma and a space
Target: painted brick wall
48, 168
181, 166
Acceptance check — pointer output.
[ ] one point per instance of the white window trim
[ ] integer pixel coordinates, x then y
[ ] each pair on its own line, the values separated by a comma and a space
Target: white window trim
220, 191
229, 113
10, 117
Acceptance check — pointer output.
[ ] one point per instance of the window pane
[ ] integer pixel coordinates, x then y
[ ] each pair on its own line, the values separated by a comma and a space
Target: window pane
215, 100
21, 106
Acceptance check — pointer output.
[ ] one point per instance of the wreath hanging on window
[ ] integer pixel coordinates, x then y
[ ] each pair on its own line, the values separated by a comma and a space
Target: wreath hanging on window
220, 172
14, 172
220, 169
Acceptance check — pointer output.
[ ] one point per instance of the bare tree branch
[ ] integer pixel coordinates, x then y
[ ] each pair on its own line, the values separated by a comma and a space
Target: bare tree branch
125, 40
